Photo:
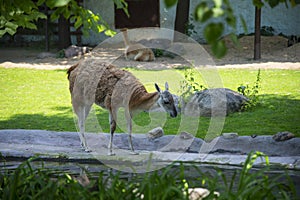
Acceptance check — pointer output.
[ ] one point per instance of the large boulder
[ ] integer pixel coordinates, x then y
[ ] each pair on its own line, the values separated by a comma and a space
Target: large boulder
214, 102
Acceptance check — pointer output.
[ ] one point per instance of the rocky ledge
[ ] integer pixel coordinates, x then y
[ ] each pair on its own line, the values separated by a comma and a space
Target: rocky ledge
222, 150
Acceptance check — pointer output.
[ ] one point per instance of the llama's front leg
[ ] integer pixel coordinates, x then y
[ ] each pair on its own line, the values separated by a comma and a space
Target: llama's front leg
129, 128
113, 125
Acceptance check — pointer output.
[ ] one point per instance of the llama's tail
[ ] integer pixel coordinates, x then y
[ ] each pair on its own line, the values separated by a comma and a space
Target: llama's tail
71, 69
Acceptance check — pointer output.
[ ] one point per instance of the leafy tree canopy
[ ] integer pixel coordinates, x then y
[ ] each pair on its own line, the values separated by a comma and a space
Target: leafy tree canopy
25, 13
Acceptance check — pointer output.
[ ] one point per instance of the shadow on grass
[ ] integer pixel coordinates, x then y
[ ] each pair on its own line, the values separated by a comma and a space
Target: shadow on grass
39, 121
275, 113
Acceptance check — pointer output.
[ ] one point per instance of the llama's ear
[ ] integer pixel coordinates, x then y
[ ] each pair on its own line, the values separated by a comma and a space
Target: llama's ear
166, 86
157, 88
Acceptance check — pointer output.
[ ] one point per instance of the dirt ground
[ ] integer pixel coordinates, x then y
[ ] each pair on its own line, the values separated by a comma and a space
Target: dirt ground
275, 54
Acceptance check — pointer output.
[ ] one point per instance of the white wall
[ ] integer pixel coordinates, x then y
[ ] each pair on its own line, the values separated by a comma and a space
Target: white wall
281, 19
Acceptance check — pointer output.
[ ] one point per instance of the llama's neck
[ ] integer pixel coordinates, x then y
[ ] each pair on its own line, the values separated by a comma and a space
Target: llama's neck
125, 37
142, 100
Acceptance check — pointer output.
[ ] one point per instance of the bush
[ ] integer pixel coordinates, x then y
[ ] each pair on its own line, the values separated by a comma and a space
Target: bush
27, 182
251, 92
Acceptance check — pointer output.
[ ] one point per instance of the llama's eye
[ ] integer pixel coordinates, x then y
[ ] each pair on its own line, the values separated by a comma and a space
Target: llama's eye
166, 102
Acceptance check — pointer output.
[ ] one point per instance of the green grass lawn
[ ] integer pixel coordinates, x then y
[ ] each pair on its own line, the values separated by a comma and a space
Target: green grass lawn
40, 99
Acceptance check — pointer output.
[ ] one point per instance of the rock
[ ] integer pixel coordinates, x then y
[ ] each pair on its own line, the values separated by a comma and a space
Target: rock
39, 141
155, 133
74, 50
214, 102
230, 135
46, 55
185, 135
283, 136
243, 145
200, 193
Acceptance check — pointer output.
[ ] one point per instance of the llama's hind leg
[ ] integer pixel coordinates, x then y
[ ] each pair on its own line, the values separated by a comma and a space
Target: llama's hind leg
129, 129
82, 113
113, 125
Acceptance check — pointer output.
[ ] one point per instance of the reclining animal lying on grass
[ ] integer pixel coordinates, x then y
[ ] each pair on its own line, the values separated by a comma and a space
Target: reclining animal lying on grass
136, 51
93, 81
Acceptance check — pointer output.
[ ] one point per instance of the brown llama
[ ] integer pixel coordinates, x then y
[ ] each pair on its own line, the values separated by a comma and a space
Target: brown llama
93, 81
136, 51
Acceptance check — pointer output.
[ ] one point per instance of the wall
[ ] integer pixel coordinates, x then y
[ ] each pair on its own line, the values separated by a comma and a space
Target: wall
281, 19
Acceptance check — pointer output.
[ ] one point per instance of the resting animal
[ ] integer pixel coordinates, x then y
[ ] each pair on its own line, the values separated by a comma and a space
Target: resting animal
136, 51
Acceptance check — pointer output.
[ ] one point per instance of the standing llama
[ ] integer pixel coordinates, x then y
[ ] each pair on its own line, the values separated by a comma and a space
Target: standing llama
93, 81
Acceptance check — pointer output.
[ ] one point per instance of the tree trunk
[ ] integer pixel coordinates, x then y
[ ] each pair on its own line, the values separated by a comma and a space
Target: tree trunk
257, 42
64, 36
47, 29
182, 18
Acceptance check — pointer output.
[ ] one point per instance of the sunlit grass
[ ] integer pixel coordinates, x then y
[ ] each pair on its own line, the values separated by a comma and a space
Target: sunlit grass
40, 99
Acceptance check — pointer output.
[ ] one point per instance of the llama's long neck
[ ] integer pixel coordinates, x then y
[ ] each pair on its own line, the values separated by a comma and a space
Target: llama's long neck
142, 100
125, 37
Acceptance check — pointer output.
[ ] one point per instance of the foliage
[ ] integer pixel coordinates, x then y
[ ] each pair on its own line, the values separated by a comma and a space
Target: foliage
267, 31
217, 14
251, 92
189, 85
163, 53
249, 184
173, 182
190, 27
18, 13
25, 13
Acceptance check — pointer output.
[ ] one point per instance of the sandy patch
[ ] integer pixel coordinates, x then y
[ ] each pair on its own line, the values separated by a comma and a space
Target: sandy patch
275, 54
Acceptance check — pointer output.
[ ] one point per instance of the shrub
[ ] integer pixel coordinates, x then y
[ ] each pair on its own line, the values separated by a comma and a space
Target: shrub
27, 182
251, 92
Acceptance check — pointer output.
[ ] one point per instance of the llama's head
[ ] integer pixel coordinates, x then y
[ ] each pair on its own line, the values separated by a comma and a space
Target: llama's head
166, 100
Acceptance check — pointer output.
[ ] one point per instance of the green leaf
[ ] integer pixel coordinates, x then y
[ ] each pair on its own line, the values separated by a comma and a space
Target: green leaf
40, 2
30, 25
219, 48
170, 3
218, 3
101, 28
39, 15
217, 12
273, 3
258, 3
10, 31
244, 24
55, 15
11, 25
78, 22
202, 12
121, 4
213, 32
234, 39
110, 32
67, 13
2, 32
57, 3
